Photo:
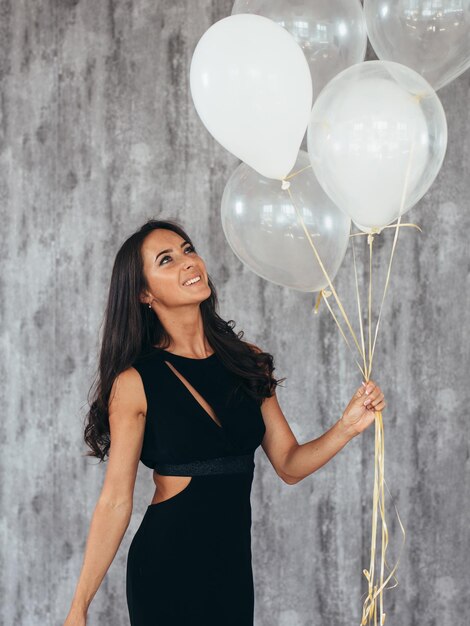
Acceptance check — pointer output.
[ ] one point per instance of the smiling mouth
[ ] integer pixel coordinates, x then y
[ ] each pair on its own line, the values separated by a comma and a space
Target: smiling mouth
192, 281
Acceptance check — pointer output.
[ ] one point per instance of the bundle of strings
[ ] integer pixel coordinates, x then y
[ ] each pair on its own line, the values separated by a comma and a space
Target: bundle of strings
375, 591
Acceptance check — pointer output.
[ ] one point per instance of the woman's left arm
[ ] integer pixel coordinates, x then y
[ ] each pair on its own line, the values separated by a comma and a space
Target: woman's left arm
293, 461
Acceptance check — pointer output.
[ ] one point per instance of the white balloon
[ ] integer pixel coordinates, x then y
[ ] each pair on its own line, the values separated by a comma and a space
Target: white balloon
365, 229
377, 129
251, 86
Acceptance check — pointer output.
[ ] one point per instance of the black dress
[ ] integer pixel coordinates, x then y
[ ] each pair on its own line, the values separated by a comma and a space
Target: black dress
189, 563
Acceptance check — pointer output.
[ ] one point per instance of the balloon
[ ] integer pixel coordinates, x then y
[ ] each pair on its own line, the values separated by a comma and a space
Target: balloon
362, 129
365, 229
252, 89
263, 229
433, 38
332, 33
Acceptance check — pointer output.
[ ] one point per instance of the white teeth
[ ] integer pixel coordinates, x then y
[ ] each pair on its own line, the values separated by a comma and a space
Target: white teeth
192, 281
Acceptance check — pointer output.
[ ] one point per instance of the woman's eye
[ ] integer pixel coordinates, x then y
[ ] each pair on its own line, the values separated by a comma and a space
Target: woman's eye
167, 256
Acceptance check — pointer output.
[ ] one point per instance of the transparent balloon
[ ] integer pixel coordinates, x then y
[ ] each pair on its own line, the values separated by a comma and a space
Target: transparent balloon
262, 226
433, 38
252, 89
332, 33
377, 139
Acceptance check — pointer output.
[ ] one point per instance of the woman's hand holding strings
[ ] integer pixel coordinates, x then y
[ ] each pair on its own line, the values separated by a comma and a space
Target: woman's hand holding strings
362, 408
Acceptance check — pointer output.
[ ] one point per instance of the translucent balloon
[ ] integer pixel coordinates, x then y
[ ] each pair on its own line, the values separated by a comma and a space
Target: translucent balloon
252, 89
263, 229
377, 131
332, 33
433, 38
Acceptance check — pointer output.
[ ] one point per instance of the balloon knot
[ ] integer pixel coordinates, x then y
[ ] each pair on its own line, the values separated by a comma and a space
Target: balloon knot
375, 230
285, 185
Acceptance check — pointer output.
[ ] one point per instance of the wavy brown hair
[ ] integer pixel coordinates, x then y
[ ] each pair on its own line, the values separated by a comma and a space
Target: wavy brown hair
131, 328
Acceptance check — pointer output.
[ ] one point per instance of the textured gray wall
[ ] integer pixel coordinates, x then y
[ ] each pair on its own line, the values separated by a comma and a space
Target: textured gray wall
98, 133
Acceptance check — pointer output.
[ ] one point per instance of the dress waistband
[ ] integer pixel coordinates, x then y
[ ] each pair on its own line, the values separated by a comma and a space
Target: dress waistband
219, 465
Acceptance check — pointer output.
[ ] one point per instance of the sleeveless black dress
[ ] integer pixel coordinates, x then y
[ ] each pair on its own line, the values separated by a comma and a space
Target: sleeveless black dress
189, 563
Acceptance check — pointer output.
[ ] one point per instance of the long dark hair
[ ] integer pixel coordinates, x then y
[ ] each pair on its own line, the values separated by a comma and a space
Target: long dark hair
131, 328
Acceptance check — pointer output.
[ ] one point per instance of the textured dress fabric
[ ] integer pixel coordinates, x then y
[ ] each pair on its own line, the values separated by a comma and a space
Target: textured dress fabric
190, 561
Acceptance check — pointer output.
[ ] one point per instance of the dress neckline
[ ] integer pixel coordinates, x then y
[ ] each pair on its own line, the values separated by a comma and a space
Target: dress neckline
187, 358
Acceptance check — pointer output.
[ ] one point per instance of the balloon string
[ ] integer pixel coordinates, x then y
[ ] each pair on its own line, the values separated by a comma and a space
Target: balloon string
295, 173
366, 572
370, 241
369, 611
359, 306
323, 269
370, 603
369, 236
363, 371
323, 293
402, 203
379, 230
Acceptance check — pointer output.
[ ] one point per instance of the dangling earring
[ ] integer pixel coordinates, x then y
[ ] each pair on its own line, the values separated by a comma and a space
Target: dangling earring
150, 304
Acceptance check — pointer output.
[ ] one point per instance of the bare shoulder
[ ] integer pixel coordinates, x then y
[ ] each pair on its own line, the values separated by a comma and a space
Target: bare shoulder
127, 408
127, 395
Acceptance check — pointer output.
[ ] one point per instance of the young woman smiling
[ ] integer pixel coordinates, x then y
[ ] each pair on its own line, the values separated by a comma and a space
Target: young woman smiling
180, 391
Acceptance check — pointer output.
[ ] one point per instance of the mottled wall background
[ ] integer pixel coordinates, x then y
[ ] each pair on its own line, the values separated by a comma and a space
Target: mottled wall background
98, 133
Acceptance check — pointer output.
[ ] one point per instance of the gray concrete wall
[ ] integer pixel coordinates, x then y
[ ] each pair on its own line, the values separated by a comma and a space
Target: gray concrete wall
97, 134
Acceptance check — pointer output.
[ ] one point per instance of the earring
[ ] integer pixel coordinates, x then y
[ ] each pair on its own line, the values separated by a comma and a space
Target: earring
150, 304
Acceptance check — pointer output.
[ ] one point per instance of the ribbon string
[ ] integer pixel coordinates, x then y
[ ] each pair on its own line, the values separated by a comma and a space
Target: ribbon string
369, 610
333, 290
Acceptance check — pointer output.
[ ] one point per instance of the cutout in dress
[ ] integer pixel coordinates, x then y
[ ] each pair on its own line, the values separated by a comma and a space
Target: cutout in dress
174, 486
196, 395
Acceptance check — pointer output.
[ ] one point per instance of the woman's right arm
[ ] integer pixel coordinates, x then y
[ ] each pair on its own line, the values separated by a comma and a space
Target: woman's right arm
112, 514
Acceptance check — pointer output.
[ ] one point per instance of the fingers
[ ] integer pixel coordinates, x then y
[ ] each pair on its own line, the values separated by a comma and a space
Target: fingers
360, 391
374, 397
377, 405
370, 387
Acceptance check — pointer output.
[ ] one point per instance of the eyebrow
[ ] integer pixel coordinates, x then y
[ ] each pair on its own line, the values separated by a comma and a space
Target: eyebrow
170, 249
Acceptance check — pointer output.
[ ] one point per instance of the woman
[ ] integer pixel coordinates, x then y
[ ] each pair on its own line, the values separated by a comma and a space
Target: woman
180, 391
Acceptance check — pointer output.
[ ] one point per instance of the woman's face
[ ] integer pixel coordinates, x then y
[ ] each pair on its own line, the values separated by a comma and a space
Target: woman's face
169, 261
